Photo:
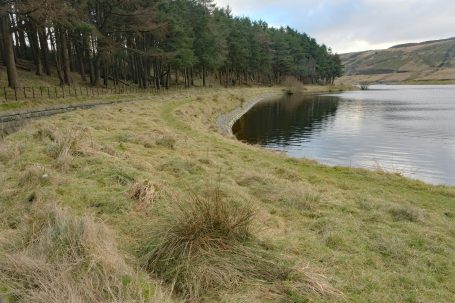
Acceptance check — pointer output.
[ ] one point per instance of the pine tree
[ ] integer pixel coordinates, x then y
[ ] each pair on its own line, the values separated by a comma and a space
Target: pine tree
156, 43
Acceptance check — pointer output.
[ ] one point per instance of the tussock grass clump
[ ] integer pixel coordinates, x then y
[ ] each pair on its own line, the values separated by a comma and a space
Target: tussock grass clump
44, 132
392, 248
279, 191
145, 140
8, 151
166, 141
35, 174
207, 243
403, 213
293, 196
292, 83
144, 192
109, 150
252, 179
64, 145
63, 258
180, 167
121, 175
308, 280
72, 142
288, 174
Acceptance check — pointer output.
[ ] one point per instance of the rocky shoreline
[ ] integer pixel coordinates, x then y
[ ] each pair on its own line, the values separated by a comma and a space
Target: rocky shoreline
226, 121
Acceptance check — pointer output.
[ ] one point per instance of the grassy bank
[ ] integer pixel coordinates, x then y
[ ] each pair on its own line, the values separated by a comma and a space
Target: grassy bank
101, 95
146, 202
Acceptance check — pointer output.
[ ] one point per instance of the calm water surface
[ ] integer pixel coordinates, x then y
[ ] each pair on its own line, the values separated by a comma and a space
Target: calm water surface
406, 129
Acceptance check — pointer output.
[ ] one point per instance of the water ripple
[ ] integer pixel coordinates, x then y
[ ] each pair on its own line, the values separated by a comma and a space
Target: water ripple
405, 129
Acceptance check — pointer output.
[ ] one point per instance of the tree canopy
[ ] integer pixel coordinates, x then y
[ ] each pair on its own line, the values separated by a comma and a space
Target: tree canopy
155, 43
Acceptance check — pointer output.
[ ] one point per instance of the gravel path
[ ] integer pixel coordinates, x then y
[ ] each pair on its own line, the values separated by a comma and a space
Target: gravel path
226, 121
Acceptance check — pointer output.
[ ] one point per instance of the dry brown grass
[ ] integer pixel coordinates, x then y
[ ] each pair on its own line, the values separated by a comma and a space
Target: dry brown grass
293, 83
166, 141
63, 146
63, 258
407, 213
8, 151
34, 175
144, 193
308, 280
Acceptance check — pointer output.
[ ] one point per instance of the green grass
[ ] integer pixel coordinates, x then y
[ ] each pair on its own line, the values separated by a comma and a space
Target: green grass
42, 103
207, 243
139, 170
84, 92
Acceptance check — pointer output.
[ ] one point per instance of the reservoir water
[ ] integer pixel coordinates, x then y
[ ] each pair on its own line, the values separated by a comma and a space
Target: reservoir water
405, 129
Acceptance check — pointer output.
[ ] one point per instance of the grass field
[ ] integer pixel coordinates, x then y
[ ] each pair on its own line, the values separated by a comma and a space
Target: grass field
146, 202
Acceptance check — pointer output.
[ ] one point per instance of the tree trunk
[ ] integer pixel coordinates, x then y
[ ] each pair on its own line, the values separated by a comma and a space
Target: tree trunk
65, 58
168, 77
97, 70
105, 76
204, 83
56, 51
2, 49
44, 51
8, 51
81, 58
88, 56
23, 45
33, 39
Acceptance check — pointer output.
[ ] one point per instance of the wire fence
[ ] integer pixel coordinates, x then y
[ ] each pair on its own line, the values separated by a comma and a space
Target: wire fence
8, 94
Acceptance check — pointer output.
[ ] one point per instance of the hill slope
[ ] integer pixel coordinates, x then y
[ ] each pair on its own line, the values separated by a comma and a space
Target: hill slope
412, 62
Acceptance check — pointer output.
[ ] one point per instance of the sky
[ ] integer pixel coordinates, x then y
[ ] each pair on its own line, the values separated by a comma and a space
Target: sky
355, 25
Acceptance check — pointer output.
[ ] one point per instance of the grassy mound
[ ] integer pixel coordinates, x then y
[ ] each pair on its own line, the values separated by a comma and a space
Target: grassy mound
207, 243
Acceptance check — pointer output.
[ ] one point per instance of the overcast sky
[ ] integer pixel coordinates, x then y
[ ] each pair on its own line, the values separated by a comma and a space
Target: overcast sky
355, 25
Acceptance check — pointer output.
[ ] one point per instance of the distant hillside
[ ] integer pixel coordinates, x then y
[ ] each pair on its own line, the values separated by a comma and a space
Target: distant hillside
431, 61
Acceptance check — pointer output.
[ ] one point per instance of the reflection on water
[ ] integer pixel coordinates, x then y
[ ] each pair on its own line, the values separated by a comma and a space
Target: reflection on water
406, 129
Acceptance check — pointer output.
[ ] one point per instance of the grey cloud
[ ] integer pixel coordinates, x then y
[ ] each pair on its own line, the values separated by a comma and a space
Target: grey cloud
348, 25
